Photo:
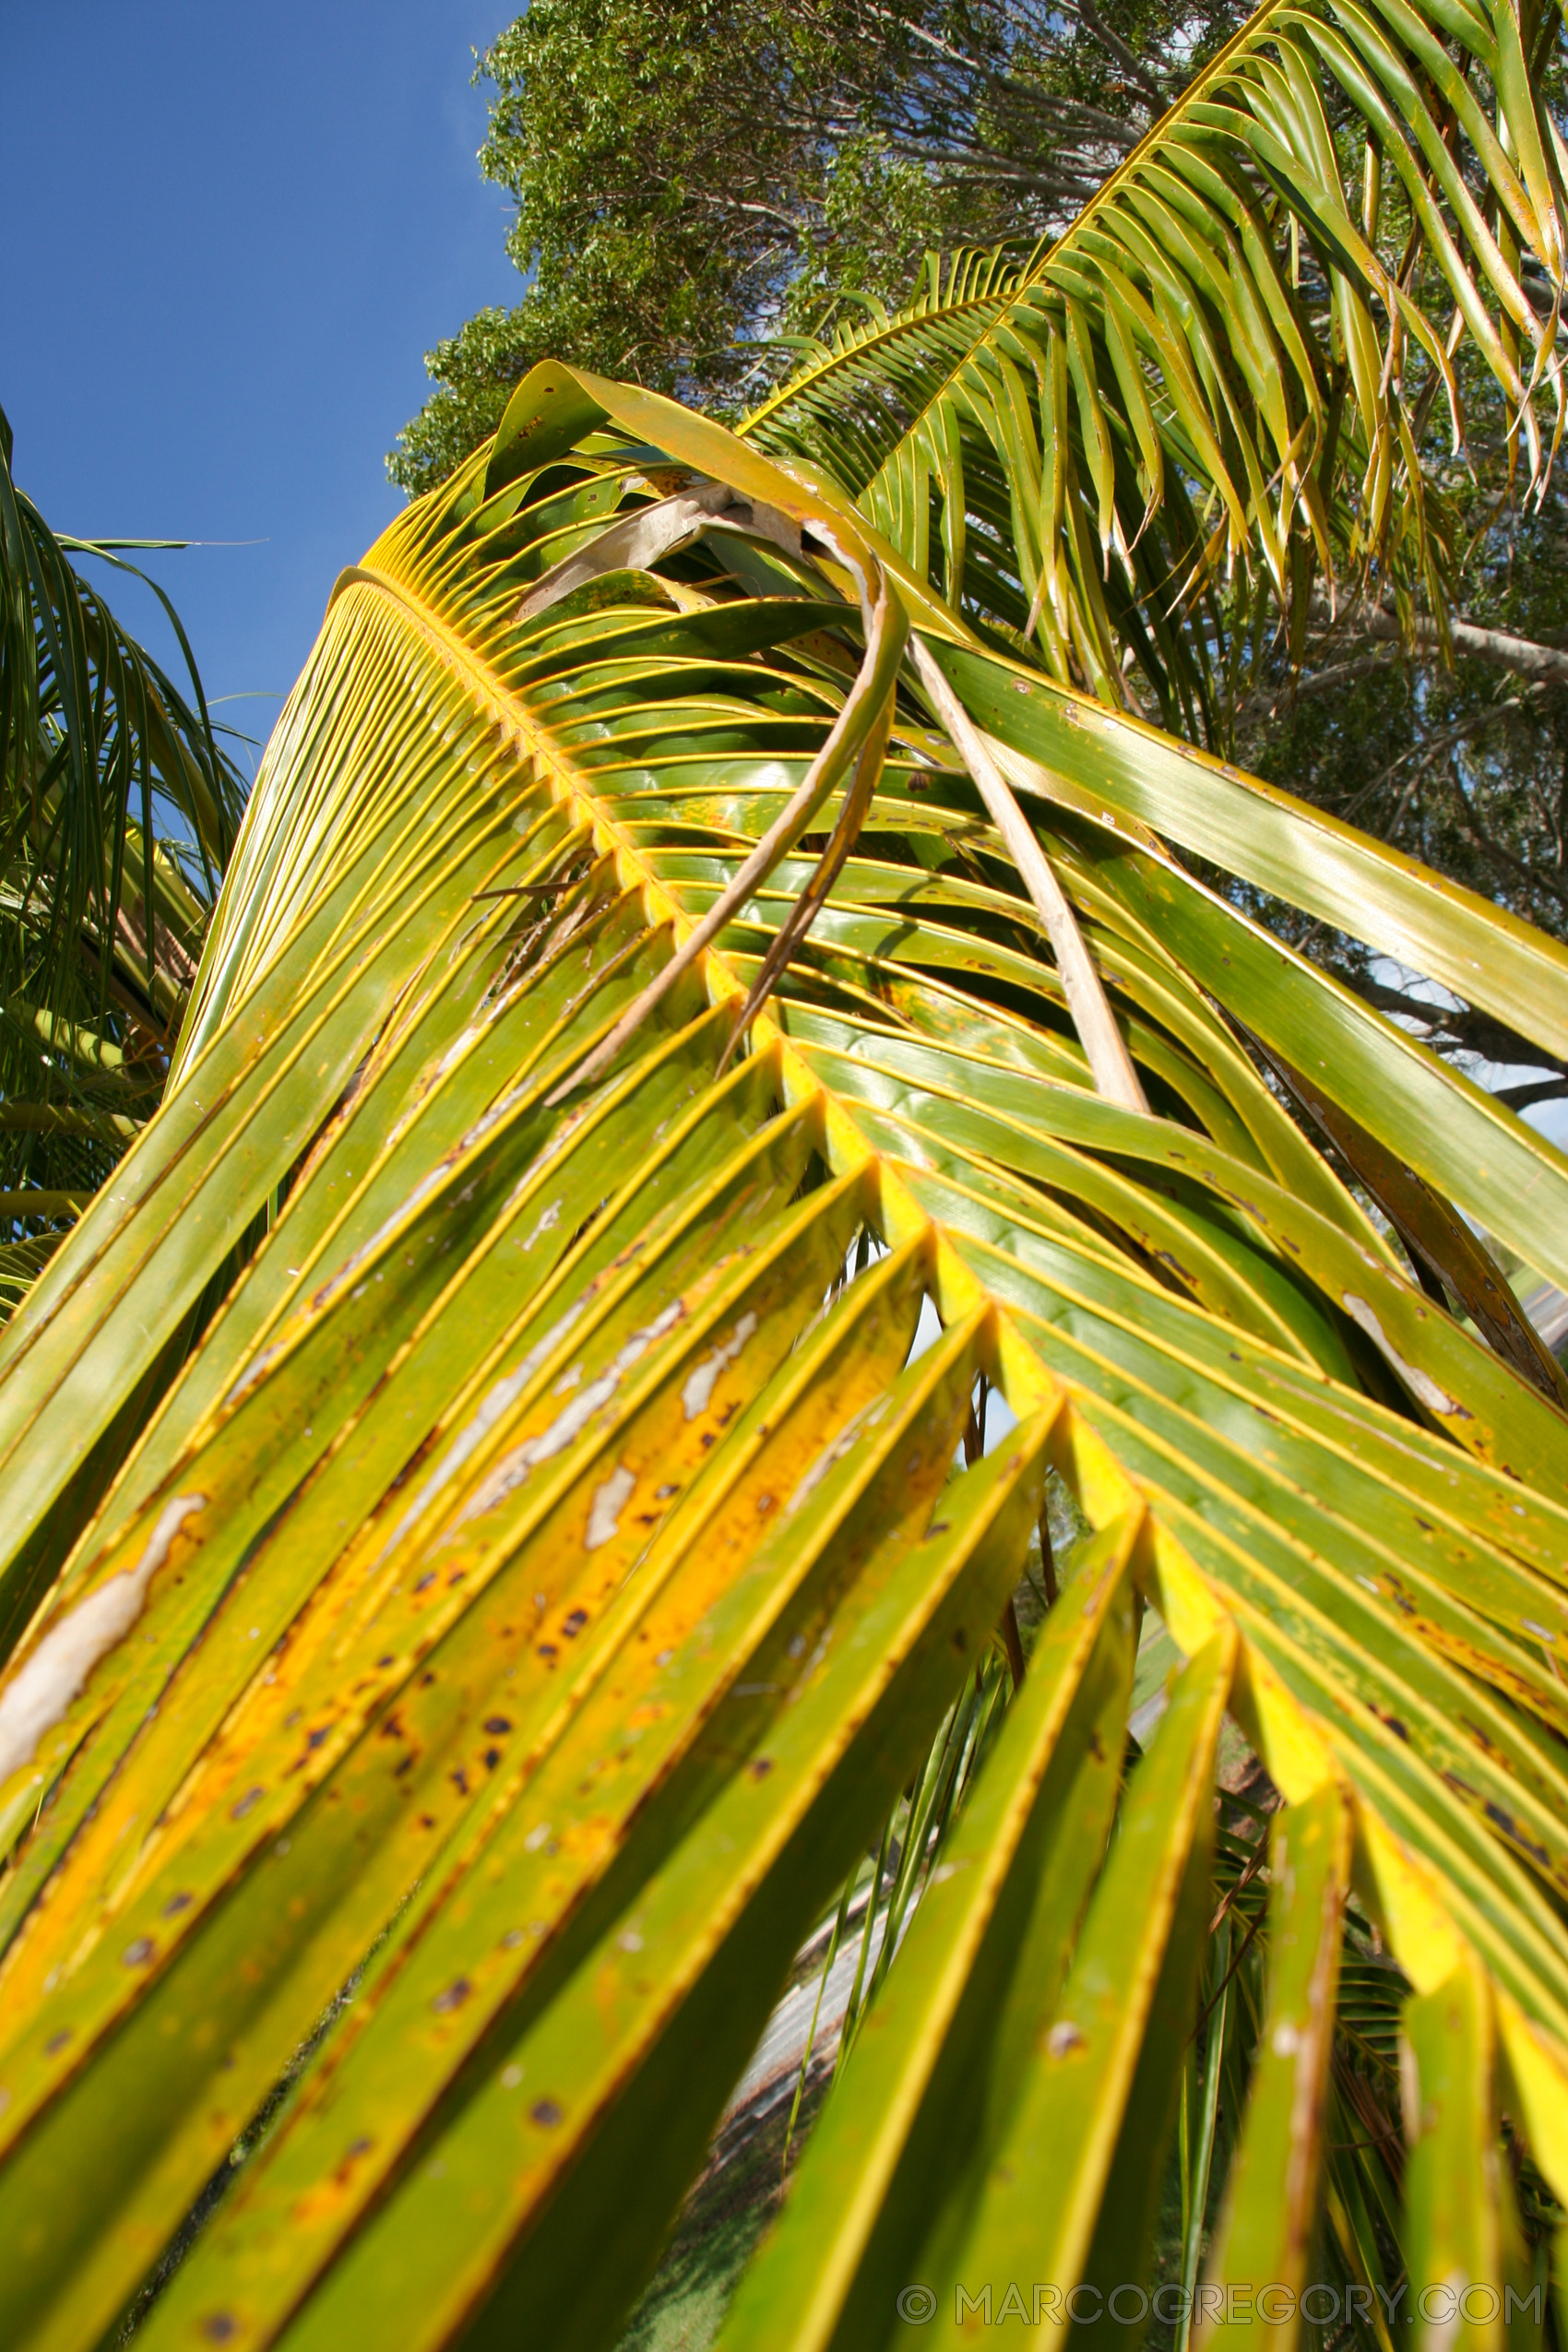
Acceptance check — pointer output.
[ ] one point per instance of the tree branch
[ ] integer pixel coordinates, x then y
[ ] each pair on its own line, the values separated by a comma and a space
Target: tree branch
1112, 42
1525, 656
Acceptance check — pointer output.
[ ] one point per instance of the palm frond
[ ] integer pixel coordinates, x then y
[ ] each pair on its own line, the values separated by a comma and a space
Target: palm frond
105, 769
476, 1665
1231, 360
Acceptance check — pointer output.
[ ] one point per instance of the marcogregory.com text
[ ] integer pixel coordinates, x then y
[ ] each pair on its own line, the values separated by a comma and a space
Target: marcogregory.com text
1442, 2305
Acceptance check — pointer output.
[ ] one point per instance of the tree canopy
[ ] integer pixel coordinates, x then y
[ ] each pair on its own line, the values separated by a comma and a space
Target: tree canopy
696, 180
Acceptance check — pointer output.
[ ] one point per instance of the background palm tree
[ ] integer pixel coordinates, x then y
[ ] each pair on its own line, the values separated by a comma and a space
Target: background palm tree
684, 1090
118, 813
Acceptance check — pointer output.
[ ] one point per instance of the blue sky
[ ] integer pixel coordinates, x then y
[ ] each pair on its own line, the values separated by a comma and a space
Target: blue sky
229, 235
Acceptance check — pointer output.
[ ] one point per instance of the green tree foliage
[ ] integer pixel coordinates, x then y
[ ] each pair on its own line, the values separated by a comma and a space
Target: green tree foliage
694, 179
1463, 765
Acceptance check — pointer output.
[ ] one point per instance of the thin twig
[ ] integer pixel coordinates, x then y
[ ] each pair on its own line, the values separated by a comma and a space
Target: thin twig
1247, 1876
529, 889
1245, 1947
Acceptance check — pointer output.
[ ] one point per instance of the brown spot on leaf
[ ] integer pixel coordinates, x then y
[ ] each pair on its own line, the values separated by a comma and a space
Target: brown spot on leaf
1505, 1822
